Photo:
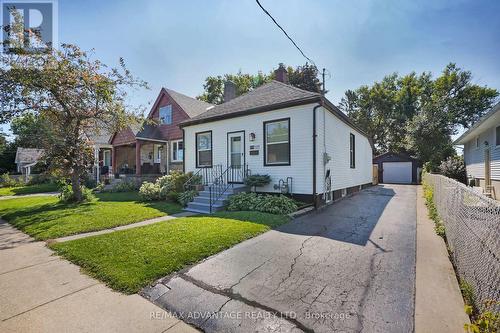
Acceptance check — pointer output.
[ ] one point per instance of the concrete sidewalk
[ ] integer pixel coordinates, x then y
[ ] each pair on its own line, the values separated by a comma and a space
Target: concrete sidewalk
439, 306
41, 292
45, 194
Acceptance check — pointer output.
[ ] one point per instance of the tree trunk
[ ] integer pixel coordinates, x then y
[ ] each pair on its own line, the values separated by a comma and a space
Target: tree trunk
77, 189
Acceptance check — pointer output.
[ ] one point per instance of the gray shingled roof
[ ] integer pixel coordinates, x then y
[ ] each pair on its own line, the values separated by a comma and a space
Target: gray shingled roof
190, 105
28, 155
270, 96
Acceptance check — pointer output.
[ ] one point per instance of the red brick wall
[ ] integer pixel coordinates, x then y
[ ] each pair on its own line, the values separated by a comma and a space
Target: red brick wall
172, 131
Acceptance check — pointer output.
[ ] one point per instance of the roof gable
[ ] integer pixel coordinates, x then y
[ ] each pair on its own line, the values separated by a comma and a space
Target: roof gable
28, 155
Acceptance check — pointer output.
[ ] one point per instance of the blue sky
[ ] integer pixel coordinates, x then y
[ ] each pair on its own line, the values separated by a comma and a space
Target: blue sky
176, 44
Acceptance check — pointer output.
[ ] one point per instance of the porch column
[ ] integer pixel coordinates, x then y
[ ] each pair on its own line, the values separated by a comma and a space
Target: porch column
96, 163
138, 157
113, 160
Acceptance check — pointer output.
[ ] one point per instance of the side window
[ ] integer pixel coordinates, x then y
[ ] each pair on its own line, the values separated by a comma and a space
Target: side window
177, 151
352, 150
497, 136
477, 142
166, 114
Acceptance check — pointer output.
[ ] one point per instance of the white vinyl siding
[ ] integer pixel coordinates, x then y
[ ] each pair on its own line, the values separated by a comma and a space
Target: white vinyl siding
336, 144
474, 157
300, 168
301, 152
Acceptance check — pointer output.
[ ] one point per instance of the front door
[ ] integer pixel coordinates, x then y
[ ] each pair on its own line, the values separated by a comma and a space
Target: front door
236, 156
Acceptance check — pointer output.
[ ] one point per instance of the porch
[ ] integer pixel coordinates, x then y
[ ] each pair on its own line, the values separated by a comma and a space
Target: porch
140, 158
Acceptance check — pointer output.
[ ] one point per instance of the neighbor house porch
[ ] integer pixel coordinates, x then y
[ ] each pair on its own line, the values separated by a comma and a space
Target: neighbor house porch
141, 157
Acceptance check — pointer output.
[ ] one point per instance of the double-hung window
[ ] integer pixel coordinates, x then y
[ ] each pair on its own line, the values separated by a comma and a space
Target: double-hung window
177, 151
166, 114
204, 149
277, 142
352, 150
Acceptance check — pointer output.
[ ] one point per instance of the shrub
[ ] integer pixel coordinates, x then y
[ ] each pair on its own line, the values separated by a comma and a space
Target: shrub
487, 321
454, 167
7, 181
173, 196
257, 180
149, 191
125, 186
67, 195
263, 203
41, 178
186, 197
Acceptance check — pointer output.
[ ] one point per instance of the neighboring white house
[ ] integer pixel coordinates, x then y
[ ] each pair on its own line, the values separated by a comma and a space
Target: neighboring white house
482, 151
26, 158
306, 144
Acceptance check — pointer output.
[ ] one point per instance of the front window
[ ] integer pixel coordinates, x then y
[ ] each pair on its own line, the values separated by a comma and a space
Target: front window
177, 151
277, 142
352, 150
166, 114
203, 149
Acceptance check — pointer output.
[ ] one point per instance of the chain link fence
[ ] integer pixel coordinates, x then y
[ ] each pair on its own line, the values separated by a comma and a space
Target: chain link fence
472, 223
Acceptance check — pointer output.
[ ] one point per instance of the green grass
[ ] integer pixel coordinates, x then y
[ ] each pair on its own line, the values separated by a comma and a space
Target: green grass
131, 259
28, 189
46, 218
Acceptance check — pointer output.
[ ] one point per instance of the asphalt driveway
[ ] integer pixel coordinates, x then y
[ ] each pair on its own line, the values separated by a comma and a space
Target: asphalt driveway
348, 268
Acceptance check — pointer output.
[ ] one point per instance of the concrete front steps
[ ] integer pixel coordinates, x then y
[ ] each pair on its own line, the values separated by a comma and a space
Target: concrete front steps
201, 203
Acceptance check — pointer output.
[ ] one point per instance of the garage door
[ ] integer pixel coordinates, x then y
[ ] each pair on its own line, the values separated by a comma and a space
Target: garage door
397, 172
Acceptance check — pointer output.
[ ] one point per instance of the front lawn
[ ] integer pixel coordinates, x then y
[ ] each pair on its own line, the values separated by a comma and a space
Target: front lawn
46, 218
28, 189
131, 259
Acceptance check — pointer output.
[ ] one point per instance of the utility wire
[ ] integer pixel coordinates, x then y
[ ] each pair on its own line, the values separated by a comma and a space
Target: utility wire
286, 34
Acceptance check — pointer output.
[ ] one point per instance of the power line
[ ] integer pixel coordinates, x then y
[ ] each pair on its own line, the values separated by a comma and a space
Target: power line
286, 34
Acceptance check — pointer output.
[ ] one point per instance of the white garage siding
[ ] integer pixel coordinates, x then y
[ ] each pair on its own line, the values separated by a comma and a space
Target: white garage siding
336, 144
397, 172
300, 167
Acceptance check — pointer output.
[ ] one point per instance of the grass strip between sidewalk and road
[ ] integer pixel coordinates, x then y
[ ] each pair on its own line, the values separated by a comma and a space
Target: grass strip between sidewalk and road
129, 260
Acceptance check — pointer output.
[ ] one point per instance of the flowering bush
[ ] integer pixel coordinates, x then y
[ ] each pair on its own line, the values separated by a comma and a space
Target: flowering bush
149, 191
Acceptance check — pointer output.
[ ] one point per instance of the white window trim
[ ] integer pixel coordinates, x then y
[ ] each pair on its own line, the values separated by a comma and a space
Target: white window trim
176, 142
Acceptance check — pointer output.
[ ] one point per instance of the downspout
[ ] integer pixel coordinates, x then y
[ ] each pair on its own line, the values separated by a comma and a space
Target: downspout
314, 154
183, 151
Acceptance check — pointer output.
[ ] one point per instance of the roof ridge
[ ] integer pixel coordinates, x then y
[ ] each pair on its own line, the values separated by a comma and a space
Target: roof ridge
184, 95
296, 88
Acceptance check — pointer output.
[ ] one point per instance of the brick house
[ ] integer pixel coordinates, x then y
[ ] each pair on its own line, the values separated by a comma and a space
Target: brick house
157, 148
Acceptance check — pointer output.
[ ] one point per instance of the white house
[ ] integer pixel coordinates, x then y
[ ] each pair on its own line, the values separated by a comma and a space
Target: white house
482, 151
307, 145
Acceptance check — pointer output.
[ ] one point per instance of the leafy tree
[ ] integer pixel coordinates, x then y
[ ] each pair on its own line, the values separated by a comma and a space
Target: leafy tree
418, 114
74, 94
304, 77
31, 131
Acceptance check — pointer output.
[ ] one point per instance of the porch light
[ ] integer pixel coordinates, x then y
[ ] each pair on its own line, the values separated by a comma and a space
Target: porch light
252, 136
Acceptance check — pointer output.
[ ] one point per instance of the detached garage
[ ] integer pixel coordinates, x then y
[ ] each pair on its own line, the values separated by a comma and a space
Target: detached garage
394, 168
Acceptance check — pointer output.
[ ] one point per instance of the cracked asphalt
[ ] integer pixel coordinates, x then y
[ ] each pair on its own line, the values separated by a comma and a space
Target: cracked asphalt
347, 268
